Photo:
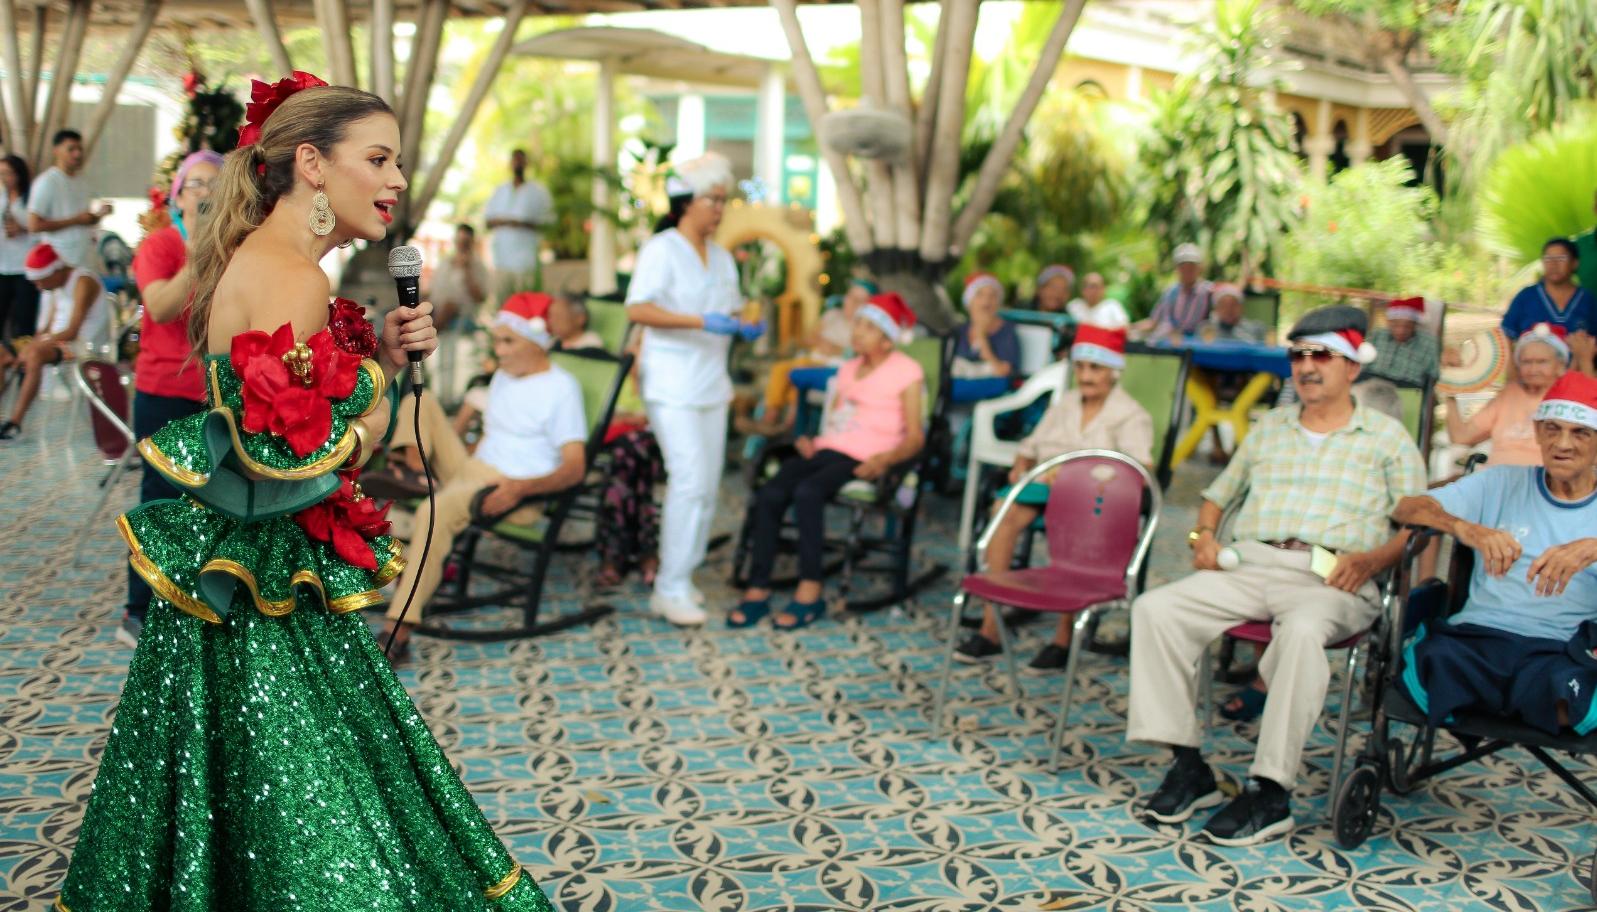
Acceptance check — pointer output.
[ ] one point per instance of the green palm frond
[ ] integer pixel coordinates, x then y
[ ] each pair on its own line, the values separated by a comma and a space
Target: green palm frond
1540, 189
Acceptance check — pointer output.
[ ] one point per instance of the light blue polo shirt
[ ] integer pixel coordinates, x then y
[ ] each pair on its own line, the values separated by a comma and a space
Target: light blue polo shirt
1516, 500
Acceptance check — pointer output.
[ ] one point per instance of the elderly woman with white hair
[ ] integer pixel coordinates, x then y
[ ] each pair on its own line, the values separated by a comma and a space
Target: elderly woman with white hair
684, 292
1095, 414
1509, 421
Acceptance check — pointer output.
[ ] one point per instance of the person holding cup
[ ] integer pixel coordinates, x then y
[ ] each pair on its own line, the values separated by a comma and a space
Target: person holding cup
684, 293
59, 209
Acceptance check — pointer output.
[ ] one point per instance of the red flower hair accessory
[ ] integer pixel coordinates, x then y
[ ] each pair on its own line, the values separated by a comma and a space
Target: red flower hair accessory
351, 331
347, 520
288, 387
268, 97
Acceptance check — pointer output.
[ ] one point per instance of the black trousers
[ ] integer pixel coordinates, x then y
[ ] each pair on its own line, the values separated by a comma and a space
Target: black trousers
150, 414
806, 484
19, 306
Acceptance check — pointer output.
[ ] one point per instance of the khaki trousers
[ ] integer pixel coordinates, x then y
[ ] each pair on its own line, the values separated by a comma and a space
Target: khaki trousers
1173, 625
460, 477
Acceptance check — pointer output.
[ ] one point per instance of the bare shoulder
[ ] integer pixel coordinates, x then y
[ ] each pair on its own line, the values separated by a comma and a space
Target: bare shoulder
265, 287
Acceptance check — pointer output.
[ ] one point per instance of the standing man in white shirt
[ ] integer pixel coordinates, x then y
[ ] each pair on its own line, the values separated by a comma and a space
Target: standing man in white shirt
515, 212
58, 203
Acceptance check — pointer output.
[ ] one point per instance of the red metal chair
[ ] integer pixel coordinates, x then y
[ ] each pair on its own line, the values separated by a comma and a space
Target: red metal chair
110, 415
1095, 550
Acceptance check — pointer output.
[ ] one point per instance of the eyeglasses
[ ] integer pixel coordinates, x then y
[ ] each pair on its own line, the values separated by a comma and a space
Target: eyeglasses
1313, 353
196, 183
714, 200
1555, 258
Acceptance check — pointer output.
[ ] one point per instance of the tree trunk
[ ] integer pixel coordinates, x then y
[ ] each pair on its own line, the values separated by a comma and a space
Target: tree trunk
895, 65
999, 157
119, 75
879, 178
17, 126
943, 166
855, 225
266, 25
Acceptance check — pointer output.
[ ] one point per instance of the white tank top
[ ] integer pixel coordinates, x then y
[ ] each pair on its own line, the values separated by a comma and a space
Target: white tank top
55, 308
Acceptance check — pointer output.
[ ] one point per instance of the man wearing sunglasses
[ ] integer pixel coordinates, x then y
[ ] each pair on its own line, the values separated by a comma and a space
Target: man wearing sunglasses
1316, 482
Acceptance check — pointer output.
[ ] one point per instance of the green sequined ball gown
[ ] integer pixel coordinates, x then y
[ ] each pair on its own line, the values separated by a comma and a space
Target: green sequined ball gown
264, 757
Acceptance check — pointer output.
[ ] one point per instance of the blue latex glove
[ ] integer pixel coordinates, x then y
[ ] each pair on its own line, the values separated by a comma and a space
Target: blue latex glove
751, 331
721, 324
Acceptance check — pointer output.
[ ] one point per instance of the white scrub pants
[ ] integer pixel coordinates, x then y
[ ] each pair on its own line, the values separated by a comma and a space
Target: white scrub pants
693, 441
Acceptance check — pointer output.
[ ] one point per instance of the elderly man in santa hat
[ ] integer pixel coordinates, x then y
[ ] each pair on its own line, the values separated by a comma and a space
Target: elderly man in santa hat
533, 439
1318, 482
1405, 355
72, 311
1522, 645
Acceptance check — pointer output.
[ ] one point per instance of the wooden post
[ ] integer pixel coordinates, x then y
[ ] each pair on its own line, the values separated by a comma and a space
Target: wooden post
119, 75
999, 157
419, 75
602, 240
266, 25
808, 80
879, 177
17, 108
895, 65
41, 22
942, 168
382, 28
468, 108
333, 18
66, 65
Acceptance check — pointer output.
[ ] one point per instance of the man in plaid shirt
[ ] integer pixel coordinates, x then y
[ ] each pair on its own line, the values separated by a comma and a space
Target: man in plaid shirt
1405, 355
1317, 482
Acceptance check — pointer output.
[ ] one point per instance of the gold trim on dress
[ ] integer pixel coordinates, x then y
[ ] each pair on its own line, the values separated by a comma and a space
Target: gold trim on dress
60, 906
337, 457
158, 580
163, 463
392, 567
504, 886
379, 385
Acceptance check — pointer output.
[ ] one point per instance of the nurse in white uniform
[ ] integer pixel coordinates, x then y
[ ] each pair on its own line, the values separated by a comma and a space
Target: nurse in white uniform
684, 292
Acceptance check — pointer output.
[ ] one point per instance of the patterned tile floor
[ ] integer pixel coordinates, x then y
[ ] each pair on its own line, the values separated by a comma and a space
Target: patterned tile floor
635, 767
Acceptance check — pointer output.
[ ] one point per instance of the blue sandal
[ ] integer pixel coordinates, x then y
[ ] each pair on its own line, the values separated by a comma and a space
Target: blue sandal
803, 613
752, 612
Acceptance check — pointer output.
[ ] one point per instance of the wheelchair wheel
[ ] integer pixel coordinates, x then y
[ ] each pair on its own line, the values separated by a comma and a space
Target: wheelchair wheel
1591, 877
1357, 802
1397, 760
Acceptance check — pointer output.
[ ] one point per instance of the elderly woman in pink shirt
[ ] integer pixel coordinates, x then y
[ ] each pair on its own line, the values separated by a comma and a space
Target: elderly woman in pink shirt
1540, 356
873, 422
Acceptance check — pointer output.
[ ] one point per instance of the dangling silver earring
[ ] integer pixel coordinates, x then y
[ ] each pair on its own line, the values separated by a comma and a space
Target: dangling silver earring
322, 219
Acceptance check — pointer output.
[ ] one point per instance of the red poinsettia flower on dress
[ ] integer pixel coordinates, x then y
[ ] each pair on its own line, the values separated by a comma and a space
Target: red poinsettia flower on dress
289, 387
266, 98
347, 520
347, 321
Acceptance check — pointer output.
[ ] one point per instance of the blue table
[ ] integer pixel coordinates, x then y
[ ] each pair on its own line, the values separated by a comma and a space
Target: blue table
1264, 362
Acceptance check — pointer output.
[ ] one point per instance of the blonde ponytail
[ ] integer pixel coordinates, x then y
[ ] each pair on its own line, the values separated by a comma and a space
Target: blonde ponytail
254, 178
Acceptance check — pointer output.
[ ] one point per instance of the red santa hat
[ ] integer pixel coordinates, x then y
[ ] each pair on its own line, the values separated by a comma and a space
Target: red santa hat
976, 281
43, 261
526, 313
1571, 398
1548, 334
1412, 309
890, 314
1100, 345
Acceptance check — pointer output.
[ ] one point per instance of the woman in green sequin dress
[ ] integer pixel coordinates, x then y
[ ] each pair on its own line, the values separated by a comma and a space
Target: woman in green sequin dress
264, 758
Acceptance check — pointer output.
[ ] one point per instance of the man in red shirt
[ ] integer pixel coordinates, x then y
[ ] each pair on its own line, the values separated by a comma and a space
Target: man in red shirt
168, 382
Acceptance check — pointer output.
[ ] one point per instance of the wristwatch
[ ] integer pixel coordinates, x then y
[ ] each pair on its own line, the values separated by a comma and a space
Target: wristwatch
1195, 534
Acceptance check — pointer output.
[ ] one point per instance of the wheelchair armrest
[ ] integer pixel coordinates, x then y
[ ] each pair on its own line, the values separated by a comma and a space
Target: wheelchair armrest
479, 518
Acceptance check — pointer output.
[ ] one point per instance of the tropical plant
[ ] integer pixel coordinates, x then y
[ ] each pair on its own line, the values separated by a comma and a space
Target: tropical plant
1220, 158
1540, 188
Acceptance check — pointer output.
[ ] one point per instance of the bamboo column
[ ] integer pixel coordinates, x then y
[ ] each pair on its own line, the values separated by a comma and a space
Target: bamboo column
119, 75
942, 169
333, 18
895, 66
602, 241
17, 126
383, 50
879, 177
468, 109
41, 22
926, 117
419, 75
999, 157
61, 75
808, 80
266, 25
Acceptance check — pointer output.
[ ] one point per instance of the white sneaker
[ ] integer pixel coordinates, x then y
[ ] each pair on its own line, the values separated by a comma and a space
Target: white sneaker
695, 595
679, 610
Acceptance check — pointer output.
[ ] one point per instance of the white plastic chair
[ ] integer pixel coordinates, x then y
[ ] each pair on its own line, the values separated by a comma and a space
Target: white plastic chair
1036, 347
985, 447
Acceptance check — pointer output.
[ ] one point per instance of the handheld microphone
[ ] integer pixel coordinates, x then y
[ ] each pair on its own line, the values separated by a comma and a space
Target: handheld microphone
404, 264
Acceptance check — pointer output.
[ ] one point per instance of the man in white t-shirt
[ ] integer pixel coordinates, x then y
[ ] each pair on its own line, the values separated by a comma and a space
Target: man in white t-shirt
515, 212
72, 313
58, 202
533, 443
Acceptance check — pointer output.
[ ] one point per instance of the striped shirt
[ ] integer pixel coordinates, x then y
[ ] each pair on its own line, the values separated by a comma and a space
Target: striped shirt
1185, 309
1336, 492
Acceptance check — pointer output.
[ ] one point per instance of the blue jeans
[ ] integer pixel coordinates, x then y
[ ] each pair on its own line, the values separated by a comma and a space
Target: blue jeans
150, 414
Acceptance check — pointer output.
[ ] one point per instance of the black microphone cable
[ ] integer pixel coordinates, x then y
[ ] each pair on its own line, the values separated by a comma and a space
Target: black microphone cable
432, 514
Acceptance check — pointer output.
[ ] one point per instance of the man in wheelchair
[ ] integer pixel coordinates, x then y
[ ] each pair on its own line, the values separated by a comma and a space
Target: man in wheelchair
1523, 644
1320, 480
